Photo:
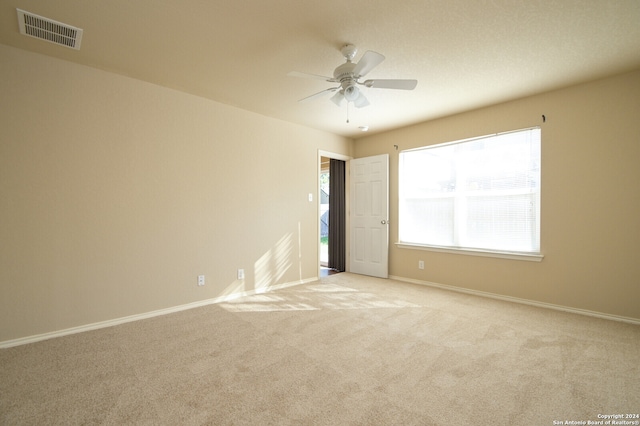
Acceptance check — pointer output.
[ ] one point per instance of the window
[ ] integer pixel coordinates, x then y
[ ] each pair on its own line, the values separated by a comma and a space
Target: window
481, 194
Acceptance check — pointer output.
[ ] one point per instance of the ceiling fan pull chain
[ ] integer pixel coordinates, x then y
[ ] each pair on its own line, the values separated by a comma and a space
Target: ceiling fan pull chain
348, 112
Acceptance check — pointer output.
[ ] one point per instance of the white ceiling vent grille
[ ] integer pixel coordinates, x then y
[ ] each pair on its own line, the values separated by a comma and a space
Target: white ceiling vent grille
49, 30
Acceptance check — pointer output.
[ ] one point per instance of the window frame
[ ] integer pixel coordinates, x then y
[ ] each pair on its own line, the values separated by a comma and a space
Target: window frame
535, 256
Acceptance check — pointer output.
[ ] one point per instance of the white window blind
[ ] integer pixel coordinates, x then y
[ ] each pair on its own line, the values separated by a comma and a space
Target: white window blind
481, 193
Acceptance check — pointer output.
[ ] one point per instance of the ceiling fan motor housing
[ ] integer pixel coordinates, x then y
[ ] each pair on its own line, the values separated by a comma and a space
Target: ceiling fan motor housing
344, 71
344, 74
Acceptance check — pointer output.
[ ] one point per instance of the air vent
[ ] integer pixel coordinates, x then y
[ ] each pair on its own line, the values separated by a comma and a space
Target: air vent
49, 30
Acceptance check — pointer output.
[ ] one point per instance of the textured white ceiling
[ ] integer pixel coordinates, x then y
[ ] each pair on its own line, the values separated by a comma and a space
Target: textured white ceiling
465, 54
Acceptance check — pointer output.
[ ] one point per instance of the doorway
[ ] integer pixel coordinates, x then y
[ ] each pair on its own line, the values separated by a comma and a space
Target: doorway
332, 213
325, 177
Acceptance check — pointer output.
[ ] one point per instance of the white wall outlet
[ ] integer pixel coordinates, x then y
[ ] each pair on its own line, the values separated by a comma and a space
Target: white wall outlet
241, 274
310, 196
200, 280
420, 264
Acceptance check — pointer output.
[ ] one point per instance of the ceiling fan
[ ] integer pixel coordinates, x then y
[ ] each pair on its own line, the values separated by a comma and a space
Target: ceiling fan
348, 76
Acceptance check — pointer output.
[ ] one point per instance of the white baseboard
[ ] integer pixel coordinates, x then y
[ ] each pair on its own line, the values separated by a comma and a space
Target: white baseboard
586, 312
145, 315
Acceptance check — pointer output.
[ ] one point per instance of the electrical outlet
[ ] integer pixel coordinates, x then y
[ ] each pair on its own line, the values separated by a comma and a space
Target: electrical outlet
241, 274
200, 280
420, 264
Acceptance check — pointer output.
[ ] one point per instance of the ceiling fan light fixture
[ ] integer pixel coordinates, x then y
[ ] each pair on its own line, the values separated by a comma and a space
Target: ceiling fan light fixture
338, 98
361, 101
351, 93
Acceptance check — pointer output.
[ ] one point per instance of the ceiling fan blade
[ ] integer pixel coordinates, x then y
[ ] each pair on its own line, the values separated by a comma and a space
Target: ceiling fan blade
317, 77
392, 84
338, 98
361, 101
369, 61
317, 95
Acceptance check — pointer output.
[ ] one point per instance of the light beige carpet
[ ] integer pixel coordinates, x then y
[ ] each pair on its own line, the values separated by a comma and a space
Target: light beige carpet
347, 350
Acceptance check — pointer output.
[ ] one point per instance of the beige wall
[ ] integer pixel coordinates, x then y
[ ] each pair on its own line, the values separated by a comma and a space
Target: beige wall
590, 198
116, 194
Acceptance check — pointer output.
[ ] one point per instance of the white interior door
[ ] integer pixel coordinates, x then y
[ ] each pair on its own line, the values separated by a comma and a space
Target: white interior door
370, 216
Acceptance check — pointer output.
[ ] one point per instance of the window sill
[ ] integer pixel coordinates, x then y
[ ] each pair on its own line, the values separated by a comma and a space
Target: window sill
531, 257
